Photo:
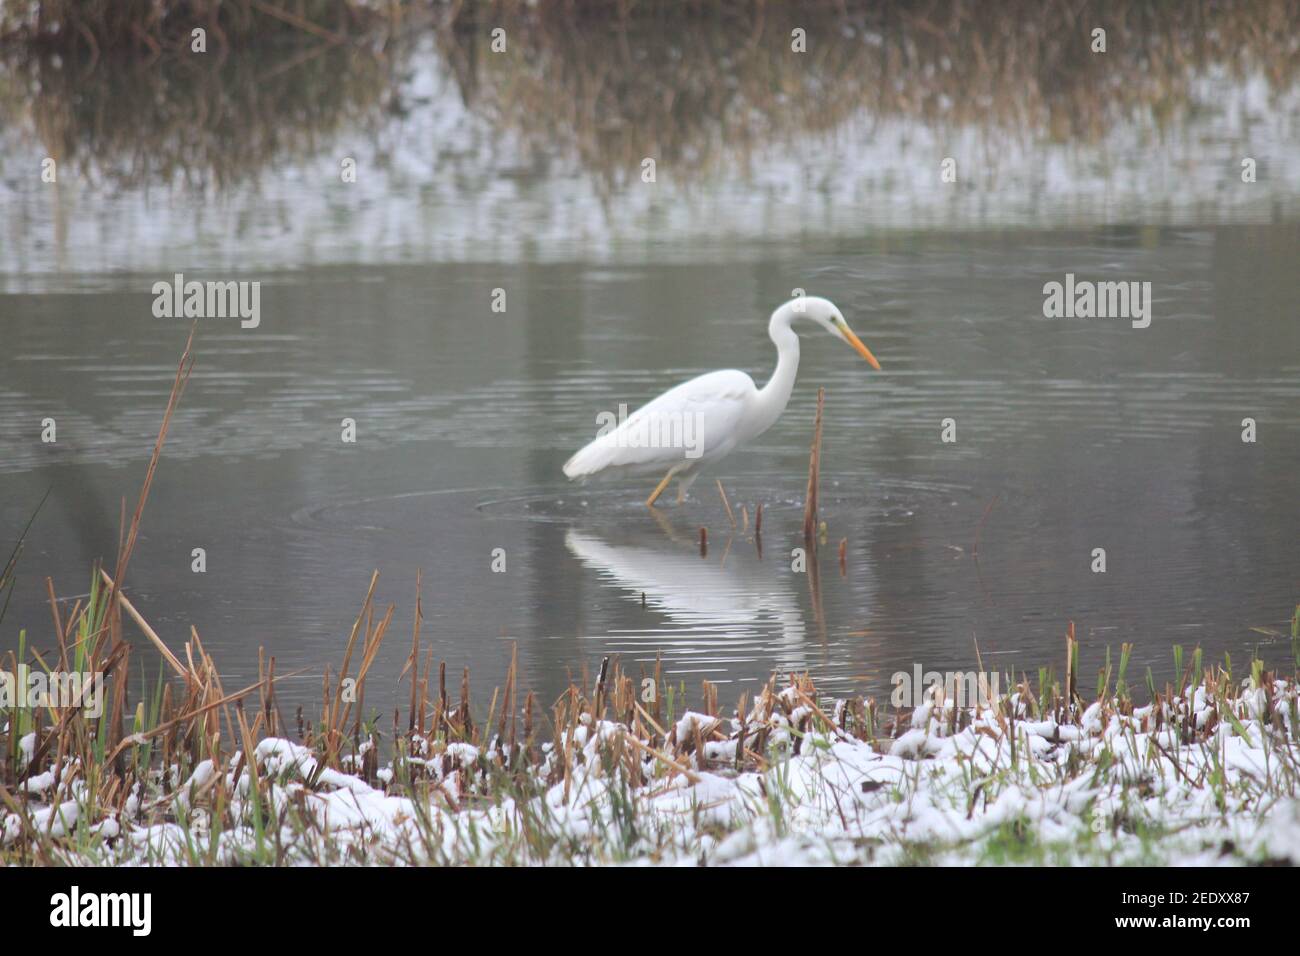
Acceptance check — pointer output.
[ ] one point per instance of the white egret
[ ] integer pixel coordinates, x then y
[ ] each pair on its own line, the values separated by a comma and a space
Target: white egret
703, 420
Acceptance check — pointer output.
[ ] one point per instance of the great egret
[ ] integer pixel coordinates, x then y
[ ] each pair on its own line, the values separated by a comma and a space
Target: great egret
703, 420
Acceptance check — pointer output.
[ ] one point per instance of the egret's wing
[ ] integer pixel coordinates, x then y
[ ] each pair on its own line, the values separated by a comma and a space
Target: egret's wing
697, 419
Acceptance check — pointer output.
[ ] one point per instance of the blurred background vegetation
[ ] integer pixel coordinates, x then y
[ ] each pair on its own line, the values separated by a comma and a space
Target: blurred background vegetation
116, 85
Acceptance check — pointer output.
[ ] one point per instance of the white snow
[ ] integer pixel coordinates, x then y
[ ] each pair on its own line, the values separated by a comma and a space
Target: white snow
1090, 787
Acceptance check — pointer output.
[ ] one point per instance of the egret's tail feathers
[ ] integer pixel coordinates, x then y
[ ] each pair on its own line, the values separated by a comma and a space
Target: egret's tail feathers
608, 452
588, 460
573, 467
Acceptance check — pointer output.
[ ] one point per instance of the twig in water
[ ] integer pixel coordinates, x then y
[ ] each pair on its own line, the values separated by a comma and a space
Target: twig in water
725, 503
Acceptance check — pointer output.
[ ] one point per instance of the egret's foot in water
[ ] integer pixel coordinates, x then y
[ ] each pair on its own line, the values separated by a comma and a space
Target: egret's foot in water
683, 484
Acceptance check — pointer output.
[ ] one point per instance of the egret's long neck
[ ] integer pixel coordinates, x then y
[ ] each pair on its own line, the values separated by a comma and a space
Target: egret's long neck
773, 397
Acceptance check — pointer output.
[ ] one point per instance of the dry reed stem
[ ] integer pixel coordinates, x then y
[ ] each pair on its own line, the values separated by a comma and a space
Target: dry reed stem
181, 378
1069, 666
332, 721
725, 503
814, 469
413, 662
658, 755
148, 631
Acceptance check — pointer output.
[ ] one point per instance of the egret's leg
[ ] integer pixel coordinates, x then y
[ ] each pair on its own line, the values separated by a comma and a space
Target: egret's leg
659, 489
683, 484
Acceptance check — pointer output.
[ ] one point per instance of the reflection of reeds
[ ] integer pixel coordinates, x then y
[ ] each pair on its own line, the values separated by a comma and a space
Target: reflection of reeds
201, 121
149, 27
692, 86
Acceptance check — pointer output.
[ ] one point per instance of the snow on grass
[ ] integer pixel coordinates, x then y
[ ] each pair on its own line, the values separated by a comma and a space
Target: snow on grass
1209, 775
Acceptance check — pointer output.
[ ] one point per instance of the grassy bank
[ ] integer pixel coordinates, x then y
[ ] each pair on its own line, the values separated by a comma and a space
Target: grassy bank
206, 776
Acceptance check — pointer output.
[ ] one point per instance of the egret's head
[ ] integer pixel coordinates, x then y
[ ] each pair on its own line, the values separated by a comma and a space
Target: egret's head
824, 313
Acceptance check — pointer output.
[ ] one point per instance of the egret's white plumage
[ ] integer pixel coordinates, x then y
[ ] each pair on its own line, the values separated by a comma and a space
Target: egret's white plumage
706, 418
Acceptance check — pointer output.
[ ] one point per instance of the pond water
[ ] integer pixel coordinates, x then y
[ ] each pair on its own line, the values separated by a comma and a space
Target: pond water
1071, 434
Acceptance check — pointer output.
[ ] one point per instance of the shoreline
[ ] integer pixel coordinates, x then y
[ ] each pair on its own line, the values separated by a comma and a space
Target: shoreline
1207, 776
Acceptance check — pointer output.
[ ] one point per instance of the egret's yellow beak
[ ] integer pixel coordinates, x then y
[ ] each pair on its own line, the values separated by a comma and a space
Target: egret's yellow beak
859, 347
